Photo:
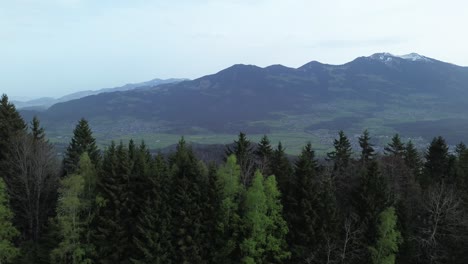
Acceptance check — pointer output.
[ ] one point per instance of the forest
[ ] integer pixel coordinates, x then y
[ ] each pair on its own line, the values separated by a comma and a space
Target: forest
123, 204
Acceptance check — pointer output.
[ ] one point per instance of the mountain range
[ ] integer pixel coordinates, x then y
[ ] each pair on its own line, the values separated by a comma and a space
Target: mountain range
45, 102
416, 96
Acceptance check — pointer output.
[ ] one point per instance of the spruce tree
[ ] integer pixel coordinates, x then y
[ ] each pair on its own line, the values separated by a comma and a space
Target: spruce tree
153, 237
301, 213
370, 199
460, 149
11, 124
37, 131
436, 167
243, 150
412, 159
395, 148
342, 154
8, 232
82, 141
367, 149
328, 223
186, 205
264, 153
112, 235
276, 246
283, 171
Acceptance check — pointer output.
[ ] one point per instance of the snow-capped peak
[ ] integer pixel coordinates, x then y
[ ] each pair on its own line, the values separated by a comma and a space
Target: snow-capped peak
388, 57
414, 57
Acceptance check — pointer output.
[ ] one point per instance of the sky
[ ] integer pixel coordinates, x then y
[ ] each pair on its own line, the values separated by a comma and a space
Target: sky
56, 47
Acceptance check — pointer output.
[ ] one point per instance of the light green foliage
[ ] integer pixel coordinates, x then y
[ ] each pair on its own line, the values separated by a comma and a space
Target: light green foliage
74, 214
7, 231
256, 220
265, 239
68, 218
389, 238
229, 224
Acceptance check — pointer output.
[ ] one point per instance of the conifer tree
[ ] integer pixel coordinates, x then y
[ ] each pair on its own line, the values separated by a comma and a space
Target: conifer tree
342, 154
388, 239
211, 210
301, 213
395, 148
112, 235
283, 171
8, 232
460, 149
153, 238
327, 225
264, 153
11, 124
276, 246
243, 150
138, 186
186, 205
412, 159
37, 131
371, 198
436, 167
367, 149
82, 141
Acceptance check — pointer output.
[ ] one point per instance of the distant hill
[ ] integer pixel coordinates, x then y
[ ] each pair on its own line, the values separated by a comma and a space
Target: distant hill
414, 95
44, 103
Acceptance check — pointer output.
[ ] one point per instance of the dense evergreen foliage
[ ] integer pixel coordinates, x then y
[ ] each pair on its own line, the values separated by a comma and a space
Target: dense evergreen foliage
259, 206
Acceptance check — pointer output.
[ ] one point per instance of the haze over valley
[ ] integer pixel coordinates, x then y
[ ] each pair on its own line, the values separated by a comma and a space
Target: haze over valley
233, 132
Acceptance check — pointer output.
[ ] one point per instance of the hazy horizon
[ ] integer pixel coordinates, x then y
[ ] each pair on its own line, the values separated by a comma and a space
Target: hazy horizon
53, 48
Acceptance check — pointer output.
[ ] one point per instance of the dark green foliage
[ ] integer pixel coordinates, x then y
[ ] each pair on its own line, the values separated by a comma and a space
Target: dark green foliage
244, 152
460, 149
187, 205
436, 167
82, 141
153, 236
412, 159
37, 131
395, 148
367, 149
11, 124
112, 235
342, 154
8, 232
370, 199
264, 155
282, 169
328, 224
302, 214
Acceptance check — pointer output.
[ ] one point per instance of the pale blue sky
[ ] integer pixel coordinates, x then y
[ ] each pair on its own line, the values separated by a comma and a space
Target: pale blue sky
55, 47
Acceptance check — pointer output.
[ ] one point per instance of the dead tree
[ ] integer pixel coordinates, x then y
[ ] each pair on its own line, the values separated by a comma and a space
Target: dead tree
32, 180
